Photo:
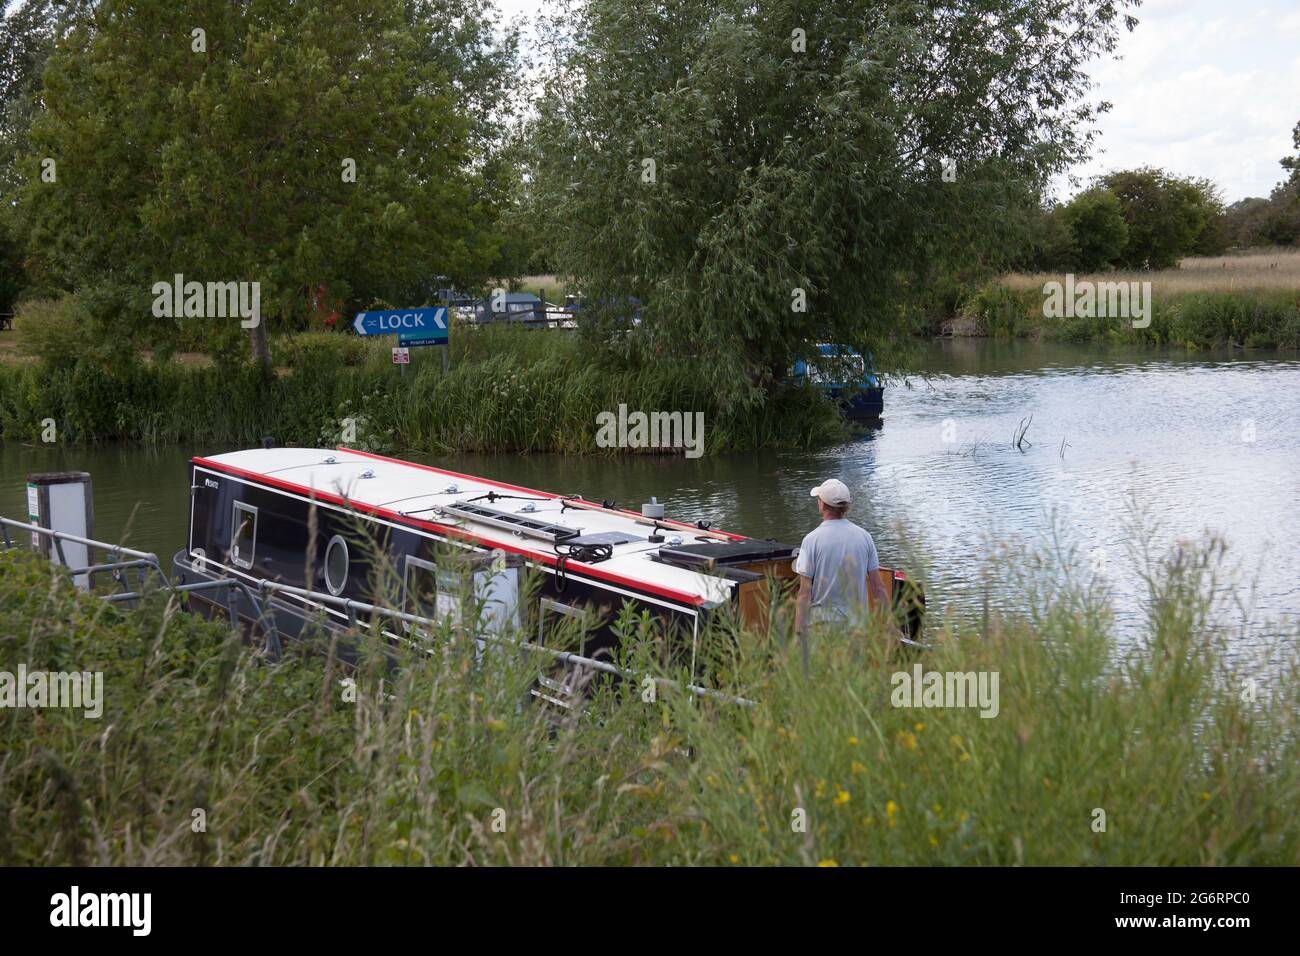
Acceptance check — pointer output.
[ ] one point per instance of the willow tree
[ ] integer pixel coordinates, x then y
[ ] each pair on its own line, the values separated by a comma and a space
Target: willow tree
762, 177
318, 143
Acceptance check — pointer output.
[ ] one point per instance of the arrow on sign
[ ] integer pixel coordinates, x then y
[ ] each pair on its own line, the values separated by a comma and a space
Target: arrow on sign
426, 323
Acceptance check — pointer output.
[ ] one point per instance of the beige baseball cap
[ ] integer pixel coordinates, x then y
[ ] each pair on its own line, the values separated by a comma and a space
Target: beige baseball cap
833, 492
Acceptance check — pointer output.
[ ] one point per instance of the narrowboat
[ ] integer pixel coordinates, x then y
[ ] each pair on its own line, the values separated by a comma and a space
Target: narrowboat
314, 518
845, 377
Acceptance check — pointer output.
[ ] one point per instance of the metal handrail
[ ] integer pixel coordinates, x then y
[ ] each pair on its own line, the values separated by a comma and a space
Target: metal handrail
75, 539
145, 561
149, 561
353, 607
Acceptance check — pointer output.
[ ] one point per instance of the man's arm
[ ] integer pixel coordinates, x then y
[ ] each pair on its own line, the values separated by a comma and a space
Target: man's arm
879, 599
880, 602
802, 603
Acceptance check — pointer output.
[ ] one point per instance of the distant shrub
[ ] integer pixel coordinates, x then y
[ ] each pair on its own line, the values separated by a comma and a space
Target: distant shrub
1096, 222
52, 329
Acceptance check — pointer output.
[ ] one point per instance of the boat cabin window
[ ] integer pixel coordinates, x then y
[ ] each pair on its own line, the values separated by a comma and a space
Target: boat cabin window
431, 592
336, 565
243, 535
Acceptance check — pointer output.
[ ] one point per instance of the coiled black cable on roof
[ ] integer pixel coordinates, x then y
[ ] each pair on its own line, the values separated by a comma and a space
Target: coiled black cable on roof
586, 553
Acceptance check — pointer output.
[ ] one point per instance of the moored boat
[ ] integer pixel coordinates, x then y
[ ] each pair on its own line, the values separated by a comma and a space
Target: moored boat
314, 519
845, 377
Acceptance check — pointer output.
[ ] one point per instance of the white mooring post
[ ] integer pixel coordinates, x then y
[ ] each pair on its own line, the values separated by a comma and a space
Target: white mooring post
61, 501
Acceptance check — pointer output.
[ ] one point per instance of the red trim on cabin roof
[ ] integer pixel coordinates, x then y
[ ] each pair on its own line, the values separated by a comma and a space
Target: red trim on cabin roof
444, 471
680, 596
665, 522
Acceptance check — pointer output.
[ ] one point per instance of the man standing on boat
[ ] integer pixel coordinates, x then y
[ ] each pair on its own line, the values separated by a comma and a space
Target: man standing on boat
837, 565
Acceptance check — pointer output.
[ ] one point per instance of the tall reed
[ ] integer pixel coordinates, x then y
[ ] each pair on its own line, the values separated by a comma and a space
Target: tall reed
1157, 750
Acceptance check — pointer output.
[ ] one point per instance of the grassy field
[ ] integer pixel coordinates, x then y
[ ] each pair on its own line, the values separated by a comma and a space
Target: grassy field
1247, 301
207, 752
1270, 270
548, 287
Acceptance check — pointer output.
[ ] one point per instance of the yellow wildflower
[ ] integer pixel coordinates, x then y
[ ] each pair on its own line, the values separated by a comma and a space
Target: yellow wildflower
827, 863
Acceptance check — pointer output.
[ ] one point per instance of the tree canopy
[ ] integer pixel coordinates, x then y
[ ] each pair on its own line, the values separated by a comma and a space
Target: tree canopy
326, 143
1168, 217
764, 177
1096, 221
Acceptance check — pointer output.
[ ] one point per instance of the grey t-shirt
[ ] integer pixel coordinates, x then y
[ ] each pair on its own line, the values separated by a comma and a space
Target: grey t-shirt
837, 555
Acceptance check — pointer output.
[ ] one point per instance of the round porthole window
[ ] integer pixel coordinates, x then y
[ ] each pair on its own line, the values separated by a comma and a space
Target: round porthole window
336, 564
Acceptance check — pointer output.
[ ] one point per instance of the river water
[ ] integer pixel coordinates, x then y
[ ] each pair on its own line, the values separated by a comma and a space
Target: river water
1186, 443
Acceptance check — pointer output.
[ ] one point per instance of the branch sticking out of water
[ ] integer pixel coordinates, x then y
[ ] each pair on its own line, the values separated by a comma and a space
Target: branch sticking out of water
1018, 440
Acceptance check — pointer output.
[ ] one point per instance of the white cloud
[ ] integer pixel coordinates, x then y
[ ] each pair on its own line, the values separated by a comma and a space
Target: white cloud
1202, 94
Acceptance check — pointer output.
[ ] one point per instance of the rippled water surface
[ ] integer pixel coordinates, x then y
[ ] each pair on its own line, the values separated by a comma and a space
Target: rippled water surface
1188, 444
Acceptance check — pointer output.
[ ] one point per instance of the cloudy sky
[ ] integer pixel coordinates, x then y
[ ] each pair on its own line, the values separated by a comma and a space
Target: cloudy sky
1203, 88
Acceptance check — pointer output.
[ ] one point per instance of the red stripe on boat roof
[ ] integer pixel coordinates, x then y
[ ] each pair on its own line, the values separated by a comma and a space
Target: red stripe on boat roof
549, 559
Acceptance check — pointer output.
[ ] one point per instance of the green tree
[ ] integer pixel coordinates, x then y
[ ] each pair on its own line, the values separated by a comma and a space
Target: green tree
1246, 220
228, 155
765, 176
1282, 223
28, 30
1167, 216
1292, 163
1096, 222
12, 277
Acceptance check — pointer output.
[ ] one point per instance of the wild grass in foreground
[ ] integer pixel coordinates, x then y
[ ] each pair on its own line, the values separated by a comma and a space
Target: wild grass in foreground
207, 752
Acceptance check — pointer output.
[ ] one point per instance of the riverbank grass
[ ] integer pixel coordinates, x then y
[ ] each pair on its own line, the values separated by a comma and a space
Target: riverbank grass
508, 389
1244, 302
1100, 753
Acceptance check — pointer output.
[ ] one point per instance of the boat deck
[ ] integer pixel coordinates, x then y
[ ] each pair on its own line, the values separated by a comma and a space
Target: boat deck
433, 498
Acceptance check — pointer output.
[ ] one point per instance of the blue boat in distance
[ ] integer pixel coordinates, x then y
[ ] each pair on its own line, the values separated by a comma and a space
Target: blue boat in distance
845, 377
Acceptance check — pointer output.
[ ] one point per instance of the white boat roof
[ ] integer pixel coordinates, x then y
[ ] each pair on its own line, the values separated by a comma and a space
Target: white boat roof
394, 488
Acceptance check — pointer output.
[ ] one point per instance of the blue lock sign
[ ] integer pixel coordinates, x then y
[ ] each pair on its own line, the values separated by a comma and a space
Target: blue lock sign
426, 325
